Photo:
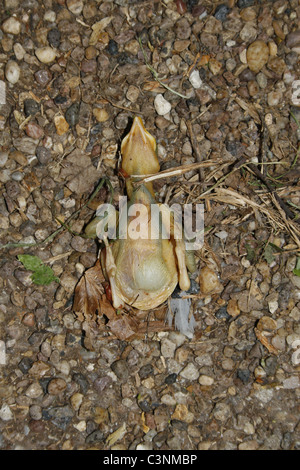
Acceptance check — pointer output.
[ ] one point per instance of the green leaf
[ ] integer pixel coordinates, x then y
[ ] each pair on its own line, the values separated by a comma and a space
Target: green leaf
296, 271
42, 274
250, 252
268, 254
31, 263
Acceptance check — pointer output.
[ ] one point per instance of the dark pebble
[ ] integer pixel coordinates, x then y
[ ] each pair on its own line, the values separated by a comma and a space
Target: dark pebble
145, 406
190, 4
171, 379
25, 364
222, 314
59, 99
59, 415
112, 47
245, 3
43, 155
80, 379
43, 77
72, 114
120, 368
53, 37
44, 381
222, 12
286, 442
243, 375
145, 371
96, 436
31, 107
181, 425
36, 338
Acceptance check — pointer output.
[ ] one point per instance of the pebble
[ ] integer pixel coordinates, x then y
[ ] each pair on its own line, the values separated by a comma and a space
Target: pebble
292, 40
72, 114
206, 380
6, 413
100, 114
45, 54
56, 386
132, 93
19, 51
195, 79
75, 6
43, 77
34, 131
167, 348
183, 414
54, 37
121, 370
162, 106
257, 55
12, 72
190, 372
274, 98
3, 158
61, 124
11, 26
34, 390
208, 281
221, 12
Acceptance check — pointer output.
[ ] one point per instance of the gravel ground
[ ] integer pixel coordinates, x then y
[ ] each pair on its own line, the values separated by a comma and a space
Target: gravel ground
75, 75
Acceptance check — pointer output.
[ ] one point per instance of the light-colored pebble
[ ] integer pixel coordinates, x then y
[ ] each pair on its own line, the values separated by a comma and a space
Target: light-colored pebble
195, 79
190, 372
162, 106
11, 26
167, 348
12, 72
46, 54
6, 413
257, 55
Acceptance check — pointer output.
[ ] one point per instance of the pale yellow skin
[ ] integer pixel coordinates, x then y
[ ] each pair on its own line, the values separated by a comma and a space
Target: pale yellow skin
143, 273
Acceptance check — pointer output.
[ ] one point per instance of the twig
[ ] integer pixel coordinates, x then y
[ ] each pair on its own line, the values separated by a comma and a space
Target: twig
180, 170
155, 74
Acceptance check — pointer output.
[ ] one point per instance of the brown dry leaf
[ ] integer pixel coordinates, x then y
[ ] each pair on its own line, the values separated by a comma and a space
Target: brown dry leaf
265, 342
123, 326
88, 294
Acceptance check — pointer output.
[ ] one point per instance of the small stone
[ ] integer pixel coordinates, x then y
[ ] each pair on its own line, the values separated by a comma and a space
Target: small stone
190, 372
293, 40
53, 37
257, 55
19, 51
34, 131
195, 79
56, 386
222, 12
12, 72
35, 412
248, 33
11, 26
120, 368
75, 6
222, 412
90, 52
171, 379
214, 66
162, 106
43, 77
206, 380
61, 125
248, 445
233, 308
6, 413
112, 47
72, 114
34, 390
145, 371
46, 54
76, 400
183, 29
28, 319
167, 348
43, 155
262, 80
31, 107
274, 98
277, 65
183, 414
100, 114
3, 158
132, 93
209, 282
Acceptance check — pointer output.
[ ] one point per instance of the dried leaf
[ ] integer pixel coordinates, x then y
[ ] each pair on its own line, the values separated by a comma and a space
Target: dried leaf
116, 436
98, 28
123, 327
265, 342
88, 294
